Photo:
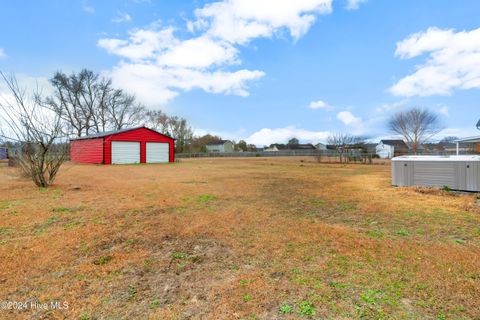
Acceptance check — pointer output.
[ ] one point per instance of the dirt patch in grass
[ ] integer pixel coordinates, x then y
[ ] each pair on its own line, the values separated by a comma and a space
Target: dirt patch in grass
175, 274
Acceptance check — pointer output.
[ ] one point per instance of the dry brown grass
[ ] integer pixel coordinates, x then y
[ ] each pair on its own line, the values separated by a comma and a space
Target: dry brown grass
238, 239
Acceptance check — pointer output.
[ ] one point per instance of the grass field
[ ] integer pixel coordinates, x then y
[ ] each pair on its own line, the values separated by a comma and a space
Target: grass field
256, 238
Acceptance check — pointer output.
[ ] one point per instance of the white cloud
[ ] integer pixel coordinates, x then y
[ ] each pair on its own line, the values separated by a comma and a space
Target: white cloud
159, 65
155, 85
142, 44
354, 4
348, 118
239, 21
88, 8
199, 52
122, 17
443, 110
235, 135
29, 83
457, 132
3, 55
319, 104
268, 136
453, 62
388, 107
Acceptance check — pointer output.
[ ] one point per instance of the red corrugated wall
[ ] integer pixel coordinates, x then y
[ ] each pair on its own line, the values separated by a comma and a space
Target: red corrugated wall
142, 135
87, 151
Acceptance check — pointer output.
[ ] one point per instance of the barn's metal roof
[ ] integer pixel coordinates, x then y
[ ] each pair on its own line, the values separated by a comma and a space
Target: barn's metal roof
109, 133
394, 142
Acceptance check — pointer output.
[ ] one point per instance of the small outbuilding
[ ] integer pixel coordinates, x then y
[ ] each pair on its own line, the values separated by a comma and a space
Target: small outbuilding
321, 146
455, 172
126, 146
388, 149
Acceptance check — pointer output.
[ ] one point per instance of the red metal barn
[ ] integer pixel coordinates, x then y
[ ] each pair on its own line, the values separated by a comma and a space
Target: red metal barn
126, 146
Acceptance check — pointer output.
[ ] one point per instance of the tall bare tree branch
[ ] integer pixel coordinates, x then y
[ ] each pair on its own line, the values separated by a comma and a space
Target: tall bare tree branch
37, 131
416, 126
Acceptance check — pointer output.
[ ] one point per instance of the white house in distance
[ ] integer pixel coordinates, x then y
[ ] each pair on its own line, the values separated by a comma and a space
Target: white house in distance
388, 149
220, 146
321, 146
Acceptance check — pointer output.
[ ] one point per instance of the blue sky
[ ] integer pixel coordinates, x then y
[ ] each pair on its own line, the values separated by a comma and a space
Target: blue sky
263, 70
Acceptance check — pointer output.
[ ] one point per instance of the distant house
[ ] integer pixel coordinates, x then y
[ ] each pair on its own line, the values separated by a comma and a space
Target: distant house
3, 153
388, 149
220, 146
292, 147
321, 146
297, 147
272, 148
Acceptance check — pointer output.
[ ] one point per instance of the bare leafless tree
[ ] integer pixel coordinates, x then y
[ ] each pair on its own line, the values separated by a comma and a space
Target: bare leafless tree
157, 120
89, 103
416, 126
344, 142
36, 130
173, 126
124, 111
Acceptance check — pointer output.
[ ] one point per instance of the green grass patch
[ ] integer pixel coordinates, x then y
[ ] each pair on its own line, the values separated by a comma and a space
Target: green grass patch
285, 308
44, 226
72, 225
102, 260
84, 316
6, 232
402, 232
205, 198
377, 234
306, 308
154, 304
346, 206
57, 193
9, 204
62, 210
317, 202
179, 255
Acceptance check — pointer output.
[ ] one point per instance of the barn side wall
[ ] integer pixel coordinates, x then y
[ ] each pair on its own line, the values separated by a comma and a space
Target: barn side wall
143, 135
87, 151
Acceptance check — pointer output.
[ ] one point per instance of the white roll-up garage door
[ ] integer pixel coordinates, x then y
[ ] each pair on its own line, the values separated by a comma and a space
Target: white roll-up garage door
157, 152
125, 152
